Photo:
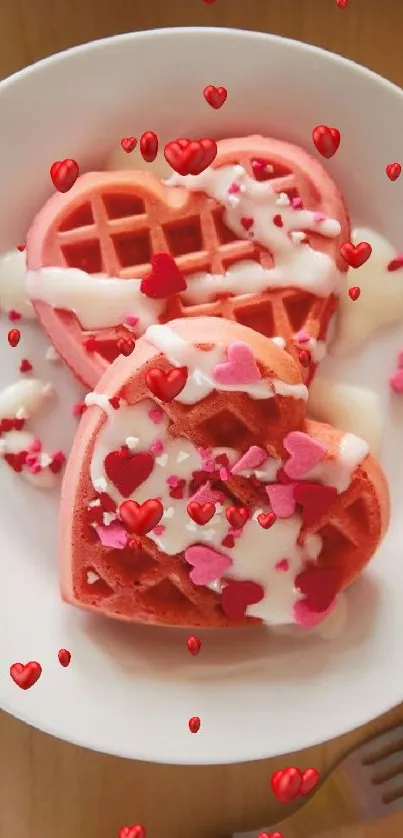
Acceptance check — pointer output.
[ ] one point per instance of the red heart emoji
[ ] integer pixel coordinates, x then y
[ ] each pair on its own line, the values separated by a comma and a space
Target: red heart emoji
21, 247
201, 513
357, 255
236, 596
128, 471
341, 3
237, 516
270, 835
393, 170
164, 279
135, 831
310, 779
125, 347
25, 675
215, 96
192, 158
247, 223
64, 174
266, 520
354, 292
315, 500
320, 586
141, 518
166, 385
286, 784
149, 146
326, 140
128, 144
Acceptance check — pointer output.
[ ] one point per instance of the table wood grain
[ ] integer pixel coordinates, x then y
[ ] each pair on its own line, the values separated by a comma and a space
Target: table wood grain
49, 788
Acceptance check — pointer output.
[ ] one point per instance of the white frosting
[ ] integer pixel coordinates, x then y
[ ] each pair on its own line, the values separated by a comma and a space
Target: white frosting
98, 302
13, 296
381, 300
255, 552
295, 265
200, 365
337, 473
349, 408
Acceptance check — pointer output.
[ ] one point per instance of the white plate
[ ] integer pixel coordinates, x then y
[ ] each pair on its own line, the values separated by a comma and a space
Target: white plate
130, 691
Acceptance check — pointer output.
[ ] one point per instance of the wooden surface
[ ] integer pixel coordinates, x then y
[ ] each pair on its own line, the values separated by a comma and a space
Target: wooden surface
49, 789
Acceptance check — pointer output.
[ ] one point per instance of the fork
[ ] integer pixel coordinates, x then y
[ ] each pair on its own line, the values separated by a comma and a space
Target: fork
366, 785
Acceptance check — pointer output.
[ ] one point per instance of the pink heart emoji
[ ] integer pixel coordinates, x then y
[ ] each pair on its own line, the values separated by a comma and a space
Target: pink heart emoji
253, 458
208, 565
281, 499
304, 453
241, 367
396, 381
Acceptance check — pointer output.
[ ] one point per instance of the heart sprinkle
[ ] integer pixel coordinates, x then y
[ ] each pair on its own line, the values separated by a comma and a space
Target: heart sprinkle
135, 831
125, 347
237, 595
64, 174
141, 519
26, 675
270, 835
266, 520
215, 96
241, 367
208, 564
304, 357
64, 657
319, 586
149, 146
21, 247
13, 337
393, 170
194, 724
166, 386
341, 4
128, 144
190, 157
314, 499
164, 279
310, 779
396, 380
305, 453
326, 140
286, 784
356, 255
194, 644
25, 365
354, 292
201, 513
396, 263
128, 471
237, 516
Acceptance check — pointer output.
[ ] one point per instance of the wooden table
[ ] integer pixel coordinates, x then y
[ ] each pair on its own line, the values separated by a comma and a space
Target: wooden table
49, 789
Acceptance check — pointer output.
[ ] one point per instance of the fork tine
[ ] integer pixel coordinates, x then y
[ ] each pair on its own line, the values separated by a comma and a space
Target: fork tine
382, 745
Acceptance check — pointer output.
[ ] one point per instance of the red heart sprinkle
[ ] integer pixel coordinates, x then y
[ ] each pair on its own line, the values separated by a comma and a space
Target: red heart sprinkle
141, 519
341, 3
395, 264
237, 516
114, 402
315, 500
149, 146
266, 520
64, 174
164, 279
357, 255
320, 586
270, 835
128, 471
310, 779
192, 158
236, 596
13, 337
228, 541
326, 140
201, 513
64, 657
25, 365
21, 247
166, 386
286, 784
278, 221
194, 645
25, 675
247, 223
393, 170
135, 831
125, 347
128, 144
215, 96
194, 724
304, 357
354, 292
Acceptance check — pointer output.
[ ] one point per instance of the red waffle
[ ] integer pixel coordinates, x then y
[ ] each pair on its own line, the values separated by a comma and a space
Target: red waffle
144, 585
113, 222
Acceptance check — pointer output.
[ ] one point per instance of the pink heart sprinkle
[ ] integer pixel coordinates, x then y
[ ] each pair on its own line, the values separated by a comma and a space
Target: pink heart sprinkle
205, 494
296, 203
283, 564
224, 474
319, 216
156, 447
114, 535
281, 499
253, 458
172, 481
159, 529
302, 337
304, 452
396, 382
156, 415
307, 618
208, 565
131, 320
241, 367
400, 359
234, 188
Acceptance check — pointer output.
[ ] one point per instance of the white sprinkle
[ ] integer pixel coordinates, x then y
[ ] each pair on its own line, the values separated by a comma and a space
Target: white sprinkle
183, 455
100, 484
219, 508
95, 502
162, 460
21, 413
108, 517
255, 514
91, 577
283, 200
232, 200
239, 170
2, 447
52, 355
279, 342
209, 534
298, 237
168, 513
191, 526
48, 389
45, 460
132, 442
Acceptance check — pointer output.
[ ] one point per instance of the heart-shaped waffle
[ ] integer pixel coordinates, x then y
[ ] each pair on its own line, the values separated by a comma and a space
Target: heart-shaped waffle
234, 435
257, 242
